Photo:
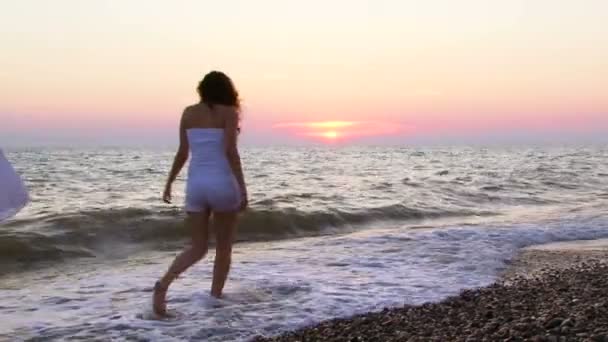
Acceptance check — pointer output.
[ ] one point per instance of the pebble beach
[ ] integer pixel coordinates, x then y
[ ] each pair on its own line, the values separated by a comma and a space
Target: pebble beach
552, 293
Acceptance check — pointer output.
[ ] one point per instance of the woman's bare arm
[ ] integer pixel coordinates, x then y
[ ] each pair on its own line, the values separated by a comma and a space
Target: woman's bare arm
180, 159
232, 151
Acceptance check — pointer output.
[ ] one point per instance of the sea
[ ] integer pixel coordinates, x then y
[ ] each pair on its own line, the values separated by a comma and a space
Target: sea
331, 231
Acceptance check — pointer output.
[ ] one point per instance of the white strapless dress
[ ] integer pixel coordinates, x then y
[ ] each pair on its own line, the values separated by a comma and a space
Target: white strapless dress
13, 194
211, 185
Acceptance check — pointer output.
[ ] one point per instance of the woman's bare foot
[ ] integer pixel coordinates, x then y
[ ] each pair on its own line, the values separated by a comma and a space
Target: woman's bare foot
159, 302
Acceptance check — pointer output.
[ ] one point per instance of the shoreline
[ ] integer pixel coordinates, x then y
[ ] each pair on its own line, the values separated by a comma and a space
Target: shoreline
553, 292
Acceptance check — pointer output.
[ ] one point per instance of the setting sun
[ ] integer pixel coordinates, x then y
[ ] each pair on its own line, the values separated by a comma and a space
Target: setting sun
341, 130
331, 135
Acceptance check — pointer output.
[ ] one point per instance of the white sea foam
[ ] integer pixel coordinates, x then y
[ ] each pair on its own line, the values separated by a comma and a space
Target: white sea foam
274, 286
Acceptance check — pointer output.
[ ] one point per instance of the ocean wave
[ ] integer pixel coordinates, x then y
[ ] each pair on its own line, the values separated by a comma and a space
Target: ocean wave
82, 234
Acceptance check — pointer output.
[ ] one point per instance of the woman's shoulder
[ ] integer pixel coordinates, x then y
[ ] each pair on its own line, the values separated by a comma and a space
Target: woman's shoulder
192, 108
198, 112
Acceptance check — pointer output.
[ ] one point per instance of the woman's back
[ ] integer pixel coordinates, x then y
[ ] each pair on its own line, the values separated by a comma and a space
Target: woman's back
207, 153
211, 182
201, 116
205, 133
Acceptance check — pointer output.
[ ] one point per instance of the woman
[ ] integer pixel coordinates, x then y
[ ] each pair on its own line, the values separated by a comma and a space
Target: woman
13, 195
215, 185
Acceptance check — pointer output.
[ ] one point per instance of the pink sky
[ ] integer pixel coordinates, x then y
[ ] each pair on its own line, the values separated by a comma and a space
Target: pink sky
398, 71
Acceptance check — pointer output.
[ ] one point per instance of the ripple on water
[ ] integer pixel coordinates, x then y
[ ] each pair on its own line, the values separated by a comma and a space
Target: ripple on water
283, 285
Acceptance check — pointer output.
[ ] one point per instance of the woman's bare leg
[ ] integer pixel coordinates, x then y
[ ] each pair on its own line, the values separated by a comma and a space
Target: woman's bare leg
225, 229
199, 226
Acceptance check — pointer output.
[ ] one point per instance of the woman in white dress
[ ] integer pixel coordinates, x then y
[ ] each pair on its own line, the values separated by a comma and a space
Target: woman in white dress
215, 185
13, 195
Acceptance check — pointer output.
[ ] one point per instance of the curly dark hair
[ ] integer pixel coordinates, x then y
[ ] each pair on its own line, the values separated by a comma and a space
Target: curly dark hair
217, 89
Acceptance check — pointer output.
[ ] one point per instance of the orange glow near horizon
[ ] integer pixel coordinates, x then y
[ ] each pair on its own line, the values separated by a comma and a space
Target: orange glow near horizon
328, 135
338, 130
320, 124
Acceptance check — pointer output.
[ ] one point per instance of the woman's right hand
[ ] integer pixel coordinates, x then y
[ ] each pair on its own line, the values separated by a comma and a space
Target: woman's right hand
167, 194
